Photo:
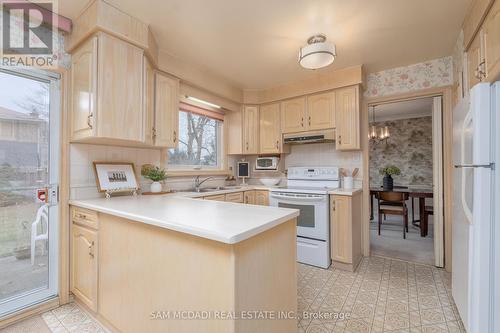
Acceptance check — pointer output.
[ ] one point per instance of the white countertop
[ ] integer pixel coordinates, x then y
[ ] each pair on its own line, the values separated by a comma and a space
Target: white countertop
219, 221
343, 191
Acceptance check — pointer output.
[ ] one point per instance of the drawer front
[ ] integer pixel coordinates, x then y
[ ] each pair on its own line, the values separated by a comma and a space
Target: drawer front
85, 217
235, 197
220, 197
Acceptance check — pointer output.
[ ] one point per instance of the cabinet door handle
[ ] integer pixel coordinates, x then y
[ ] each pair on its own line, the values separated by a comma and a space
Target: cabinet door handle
91, 249
175, 136
247, 146
302, 122
340, 139
277, 144
333, 205
309, 120
154, 132
89, 120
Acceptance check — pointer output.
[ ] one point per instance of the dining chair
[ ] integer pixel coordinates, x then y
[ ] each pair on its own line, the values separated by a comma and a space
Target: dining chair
393, 203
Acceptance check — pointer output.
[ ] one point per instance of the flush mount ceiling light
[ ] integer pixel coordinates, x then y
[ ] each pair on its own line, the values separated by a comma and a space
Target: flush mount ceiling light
317, 54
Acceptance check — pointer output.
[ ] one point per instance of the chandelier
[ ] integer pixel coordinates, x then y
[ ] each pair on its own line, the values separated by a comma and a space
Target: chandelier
377, 134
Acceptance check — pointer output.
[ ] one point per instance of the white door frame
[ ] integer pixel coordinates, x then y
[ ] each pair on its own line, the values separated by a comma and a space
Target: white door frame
437, 174
36, 296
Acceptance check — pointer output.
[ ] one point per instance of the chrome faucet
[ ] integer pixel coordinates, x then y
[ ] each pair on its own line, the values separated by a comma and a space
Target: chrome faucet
197, 182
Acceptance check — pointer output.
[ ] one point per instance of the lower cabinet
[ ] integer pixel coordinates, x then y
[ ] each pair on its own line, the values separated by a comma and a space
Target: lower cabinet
249, 197
345, 230
217, 197
262, 198
84, 265
237, 197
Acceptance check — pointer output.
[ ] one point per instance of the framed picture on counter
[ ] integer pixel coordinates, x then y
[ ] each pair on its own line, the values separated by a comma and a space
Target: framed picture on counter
115, 176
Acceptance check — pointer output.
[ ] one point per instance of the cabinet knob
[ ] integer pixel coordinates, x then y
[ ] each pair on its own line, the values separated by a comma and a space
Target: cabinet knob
89, 120
91, 249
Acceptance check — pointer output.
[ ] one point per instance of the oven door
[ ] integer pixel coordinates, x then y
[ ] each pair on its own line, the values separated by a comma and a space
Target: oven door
313, 219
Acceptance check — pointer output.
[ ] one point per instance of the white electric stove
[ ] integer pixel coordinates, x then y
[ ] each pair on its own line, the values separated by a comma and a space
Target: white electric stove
307, 190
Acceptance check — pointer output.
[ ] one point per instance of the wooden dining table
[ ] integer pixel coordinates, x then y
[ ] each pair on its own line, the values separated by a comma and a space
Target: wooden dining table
413, 192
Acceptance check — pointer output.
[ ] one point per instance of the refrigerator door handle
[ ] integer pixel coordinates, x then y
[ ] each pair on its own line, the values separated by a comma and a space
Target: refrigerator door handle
466, 166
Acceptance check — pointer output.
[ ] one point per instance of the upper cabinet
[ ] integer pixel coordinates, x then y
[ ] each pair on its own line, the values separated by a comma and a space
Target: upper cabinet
347, 133
166, 115
84, 90
293, 115
314, 112
270, 130
107, 91
482, 42
250, 129
321, 111
475, 61
492, 42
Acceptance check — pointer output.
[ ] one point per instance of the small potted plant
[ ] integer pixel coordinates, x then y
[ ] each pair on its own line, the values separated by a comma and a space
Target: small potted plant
388, 172
156, 174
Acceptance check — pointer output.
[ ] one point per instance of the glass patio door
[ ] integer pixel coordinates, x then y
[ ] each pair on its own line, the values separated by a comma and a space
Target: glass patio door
29, 149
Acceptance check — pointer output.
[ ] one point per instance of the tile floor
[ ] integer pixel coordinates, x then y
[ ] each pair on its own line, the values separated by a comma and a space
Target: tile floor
383, 295
71, 318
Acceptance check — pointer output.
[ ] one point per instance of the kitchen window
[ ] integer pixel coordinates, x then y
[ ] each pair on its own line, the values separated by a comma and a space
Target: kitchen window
200, 140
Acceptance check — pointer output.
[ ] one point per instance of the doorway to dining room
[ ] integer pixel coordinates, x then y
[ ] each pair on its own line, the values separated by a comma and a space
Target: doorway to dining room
406, 176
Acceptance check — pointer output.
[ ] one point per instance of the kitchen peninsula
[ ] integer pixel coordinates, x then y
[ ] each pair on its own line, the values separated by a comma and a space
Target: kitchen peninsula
137, 257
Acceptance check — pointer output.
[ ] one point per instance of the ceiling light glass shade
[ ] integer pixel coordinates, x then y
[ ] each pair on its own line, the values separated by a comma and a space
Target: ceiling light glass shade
372, 133
317, 55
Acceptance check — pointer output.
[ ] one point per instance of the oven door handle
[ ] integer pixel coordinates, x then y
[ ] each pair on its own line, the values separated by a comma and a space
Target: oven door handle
285, 198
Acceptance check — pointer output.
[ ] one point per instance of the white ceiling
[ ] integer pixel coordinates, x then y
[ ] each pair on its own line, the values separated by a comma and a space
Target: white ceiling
416, 108
254, 43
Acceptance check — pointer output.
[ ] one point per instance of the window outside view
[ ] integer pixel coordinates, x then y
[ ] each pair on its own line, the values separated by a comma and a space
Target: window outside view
199, 142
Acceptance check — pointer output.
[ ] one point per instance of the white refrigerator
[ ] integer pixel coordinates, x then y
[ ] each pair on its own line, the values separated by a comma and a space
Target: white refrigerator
476, 209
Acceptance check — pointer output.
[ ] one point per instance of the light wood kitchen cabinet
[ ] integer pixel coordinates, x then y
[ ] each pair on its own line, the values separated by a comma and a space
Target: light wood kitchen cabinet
249, 197
149, 102
83, 90
237, 197
492, 42
233, 123
321, 111
217, 197
84, 265
345, 230
107, 91
475, 61
293, 115
166, 119
262, 198
347, 133
119, 83
270, 129
250, 129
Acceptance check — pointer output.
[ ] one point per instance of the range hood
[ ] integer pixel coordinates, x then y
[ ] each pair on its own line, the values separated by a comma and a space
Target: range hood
309, 137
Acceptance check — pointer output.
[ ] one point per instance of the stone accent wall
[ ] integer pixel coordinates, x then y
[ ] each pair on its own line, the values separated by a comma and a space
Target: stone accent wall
409, 148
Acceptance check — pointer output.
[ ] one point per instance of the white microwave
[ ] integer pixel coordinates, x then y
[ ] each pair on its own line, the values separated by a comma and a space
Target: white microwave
266, 163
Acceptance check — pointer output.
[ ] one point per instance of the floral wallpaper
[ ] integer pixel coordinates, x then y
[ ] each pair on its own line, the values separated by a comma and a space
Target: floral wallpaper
429, 74
409, 148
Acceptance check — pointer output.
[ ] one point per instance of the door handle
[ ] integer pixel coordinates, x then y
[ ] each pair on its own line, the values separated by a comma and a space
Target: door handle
470, 166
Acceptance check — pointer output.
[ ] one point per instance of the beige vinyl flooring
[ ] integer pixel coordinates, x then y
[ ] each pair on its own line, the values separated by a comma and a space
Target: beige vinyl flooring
383, 295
